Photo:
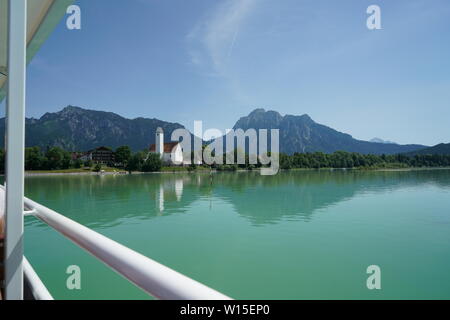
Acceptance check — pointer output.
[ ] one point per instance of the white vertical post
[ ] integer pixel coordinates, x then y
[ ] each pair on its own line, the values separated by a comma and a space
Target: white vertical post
15, 142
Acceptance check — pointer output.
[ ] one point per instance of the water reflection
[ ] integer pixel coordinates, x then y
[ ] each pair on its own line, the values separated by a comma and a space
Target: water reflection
104, 201
170, 190
298, 195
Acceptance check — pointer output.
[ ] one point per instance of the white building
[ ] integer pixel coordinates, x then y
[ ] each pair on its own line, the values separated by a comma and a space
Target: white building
170, 152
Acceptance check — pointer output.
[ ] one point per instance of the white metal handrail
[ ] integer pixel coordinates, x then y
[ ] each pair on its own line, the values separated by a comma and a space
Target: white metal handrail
153, 277
38, 289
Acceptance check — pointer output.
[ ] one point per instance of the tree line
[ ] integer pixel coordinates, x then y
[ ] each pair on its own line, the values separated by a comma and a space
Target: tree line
342, 159
56, 158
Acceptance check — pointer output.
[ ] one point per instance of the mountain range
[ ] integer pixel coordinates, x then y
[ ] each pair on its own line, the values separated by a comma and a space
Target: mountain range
78, 129
302, 134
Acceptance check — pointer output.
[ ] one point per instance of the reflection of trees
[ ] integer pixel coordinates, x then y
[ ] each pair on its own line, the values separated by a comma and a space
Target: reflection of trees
298, 194
100, 201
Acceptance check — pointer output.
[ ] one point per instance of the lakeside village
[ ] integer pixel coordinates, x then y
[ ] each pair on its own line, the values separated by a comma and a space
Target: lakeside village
169, 157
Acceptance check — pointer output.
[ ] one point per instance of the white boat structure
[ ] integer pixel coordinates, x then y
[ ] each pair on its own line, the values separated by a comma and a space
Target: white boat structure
24, 26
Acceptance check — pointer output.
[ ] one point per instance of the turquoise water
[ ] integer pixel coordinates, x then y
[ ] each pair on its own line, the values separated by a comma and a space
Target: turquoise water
297, 235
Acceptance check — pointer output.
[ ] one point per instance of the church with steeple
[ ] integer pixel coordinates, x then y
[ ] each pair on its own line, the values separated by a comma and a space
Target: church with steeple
170, 153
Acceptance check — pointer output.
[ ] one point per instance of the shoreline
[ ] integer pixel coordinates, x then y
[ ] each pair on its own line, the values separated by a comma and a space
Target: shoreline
412, 169
91, 173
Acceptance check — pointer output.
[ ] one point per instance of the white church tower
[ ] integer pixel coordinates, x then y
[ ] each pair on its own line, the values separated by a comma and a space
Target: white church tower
159, 141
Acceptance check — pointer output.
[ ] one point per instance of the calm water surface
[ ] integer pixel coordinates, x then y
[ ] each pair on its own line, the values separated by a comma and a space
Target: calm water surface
297, 235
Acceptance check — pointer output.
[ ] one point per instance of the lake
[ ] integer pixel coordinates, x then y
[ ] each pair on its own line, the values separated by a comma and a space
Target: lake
296, 235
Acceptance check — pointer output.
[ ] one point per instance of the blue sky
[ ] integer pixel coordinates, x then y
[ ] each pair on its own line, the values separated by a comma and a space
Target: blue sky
216, 61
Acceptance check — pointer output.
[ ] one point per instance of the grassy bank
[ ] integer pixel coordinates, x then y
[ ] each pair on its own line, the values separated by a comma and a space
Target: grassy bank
75, 170
173, 169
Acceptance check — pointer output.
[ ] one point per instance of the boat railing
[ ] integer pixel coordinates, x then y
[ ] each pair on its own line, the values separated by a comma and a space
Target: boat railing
154, 278
36, 288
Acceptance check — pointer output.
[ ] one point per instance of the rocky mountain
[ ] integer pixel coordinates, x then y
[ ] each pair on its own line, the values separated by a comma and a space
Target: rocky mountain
78, 129
302, 134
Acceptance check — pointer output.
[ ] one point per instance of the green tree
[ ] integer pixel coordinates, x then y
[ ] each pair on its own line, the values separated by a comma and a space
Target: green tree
135, 163
88, 163
192, 167
34, 160
66, 160
285, 161
123, 155
77, 163
56, 158
153, 163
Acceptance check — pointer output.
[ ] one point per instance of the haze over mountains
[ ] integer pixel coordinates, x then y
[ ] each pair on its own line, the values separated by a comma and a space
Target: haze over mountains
378, 140
78, 129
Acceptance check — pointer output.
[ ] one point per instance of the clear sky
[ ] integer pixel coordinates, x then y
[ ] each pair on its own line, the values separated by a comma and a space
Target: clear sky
216, 61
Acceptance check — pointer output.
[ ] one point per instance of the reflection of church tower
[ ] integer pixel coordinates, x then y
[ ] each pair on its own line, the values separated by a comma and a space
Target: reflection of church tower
159, 141
161, 198
179, 188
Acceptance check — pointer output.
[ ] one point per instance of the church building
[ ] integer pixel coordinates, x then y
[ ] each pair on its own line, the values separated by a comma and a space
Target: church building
170, 152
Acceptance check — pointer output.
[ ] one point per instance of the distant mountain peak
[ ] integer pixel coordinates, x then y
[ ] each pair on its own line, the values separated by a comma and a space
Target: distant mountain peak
300, 133
70, 107
259, 119
306, 116
378, 140
257, 110
262, 111
77, 129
